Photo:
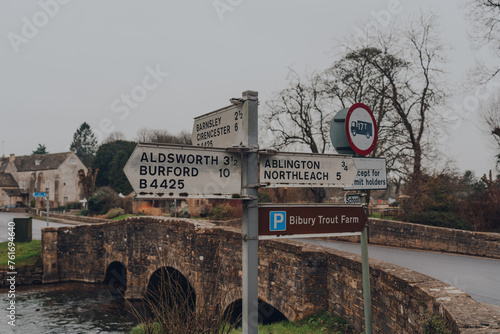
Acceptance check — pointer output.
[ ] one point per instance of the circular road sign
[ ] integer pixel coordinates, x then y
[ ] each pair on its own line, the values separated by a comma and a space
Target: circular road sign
361, 129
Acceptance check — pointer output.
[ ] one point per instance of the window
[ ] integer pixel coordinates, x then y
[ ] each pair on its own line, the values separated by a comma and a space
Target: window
47, 184
72, 161
37, 162
21, 185
65, 200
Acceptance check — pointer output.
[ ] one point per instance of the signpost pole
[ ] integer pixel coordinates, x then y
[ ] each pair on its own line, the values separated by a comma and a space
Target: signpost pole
366, 281
47, 200
365, 269
250, 233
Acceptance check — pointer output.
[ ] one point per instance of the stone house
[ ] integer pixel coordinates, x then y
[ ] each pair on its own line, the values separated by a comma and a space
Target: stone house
56, 173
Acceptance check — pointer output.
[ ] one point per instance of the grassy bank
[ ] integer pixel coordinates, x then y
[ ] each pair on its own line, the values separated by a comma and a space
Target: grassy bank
26, 253
316, 324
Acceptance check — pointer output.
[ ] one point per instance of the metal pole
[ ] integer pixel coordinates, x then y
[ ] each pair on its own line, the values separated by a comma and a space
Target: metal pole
47, 207
365, 269
250, 232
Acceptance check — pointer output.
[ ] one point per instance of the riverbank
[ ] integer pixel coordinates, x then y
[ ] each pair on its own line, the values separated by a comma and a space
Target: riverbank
21, 261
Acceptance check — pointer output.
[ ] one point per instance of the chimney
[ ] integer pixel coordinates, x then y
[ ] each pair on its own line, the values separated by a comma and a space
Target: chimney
12, 157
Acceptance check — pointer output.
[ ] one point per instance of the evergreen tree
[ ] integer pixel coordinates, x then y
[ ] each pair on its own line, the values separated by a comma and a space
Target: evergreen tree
84, 144
110, 159
40, 150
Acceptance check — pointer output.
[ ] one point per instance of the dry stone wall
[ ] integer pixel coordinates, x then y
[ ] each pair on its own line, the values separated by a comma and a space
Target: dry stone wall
295, 278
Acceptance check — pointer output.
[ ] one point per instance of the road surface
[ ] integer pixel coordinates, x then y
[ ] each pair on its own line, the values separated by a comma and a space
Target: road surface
479, 277
37, 225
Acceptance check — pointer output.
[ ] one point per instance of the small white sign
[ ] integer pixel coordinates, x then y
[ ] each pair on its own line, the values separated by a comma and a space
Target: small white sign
173, 171
306, 170
371, 174
225, 127
352, 199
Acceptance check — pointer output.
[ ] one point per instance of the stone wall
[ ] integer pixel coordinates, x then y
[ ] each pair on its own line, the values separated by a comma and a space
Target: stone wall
24, 276
90, 220
416, 236
297, 279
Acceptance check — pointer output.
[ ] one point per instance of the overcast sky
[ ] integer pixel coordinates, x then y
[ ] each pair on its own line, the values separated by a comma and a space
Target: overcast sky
122, 65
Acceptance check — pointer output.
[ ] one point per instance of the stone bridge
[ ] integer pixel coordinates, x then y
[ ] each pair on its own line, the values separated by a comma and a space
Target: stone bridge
295, 280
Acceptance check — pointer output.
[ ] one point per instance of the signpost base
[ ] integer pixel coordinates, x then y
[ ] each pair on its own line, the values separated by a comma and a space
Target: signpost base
365, 269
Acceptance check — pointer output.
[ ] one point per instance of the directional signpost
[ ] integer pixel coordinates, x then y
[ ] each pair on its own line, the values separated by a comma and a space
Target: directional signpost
354, 131
225, 162
39, 195
222, 128
173, 171
307, 221
306, 170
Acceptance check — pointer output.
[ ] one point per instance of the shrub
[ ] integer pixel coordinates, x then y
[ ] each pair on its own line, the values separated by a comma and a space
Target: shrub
84, 212
435, 325
224, 212
32, 203
440, 219
205, 210
115, 212
102, 200
264, 197
73, 206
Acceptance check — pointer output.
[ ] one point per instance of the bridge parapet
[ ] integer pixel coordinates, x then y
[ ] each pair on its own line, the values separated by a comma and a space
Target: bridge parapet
295, 278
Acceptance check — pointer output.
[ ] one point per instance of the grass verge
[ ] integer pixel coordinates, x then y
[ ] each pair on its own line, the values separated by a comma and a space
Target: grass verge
123, 217
316, 324
27, 253
321, 323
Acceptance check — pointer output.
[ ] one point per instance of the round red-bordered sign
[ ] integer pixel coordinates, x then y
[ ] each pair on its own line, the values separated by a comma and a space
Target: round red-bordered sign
361, 129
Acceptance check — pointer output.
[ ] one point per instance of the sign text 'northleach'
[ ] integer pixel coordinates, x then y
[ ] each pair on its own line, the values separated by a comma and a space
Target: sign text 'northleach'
183, 171
306, 170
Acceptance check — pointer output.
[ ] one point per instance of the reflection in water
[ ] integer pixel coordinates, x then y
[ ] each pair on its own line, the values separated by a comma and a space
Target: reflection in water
66, 308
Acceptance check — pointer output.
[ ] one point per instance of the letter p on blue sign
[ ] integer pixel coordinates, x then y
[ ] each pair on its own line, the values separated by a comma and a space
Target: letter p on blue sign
277, 221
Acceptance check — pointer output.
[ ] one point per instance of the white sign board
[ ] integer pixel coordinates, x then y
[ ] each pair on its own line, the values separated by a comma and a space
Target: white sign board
173, 171
372, 174
352, 199
361, 129
225, 127
306, 170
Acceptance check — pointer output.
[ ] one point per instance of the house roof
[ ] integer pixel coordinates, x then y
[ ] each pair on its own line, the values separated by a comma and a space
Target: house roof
7, 181
35, 162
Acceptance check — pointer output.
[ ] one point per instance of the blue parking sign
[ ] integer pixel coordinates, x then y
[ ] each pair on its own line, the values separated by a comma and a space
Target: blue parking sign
277, 221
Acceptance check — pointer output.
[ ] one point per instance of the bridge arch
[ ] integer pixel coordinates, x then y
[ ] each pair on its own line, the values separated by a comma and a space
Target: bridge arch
167, 286
116, 278
268, 314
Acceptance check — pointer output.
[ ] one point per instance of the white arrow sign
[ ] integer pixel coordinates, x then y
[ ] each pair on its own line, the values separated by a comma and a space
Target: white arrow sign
172, 171
372, 174
306, 170
225, 127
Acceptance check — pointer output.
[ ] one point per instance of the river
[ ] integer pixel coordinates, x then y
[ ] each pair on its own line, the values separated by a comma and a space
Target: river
65, 308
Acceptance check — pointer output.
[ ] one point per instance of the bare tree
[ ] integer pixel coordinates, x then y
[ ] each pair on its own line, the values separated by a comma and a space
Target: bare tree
296, 117
147, 135
490, 114
354, 79
398, 72
114, 136
412, 65
485, 18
